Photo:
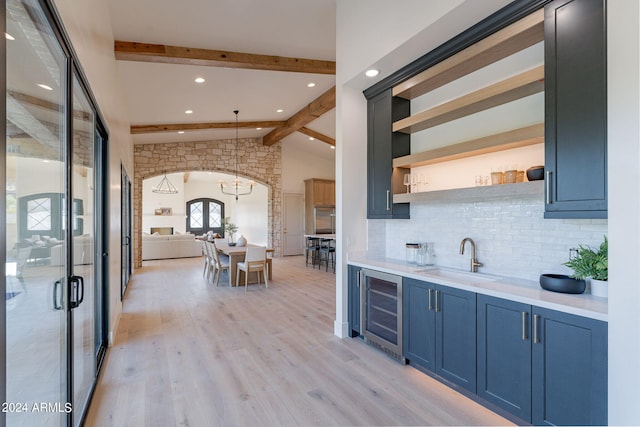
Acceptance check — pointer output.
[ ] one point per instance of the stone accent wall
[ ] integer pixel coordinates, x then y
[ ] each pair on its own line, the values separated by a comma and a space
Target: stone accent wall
255, 161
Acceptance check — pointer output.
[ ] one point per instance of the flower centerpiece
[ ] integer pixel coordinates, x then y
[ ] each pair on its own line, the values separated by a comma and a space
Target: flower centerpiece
229, 229
589, 263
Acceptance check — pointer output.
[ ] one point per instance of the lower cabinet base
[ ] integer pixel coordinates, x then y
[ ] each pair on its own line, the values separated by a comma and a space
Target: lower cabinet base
466, 393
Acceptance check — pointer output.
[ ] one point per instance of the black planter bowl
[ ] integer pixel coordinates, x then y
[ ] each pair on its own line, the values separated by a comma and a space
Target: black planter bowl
562, 283
535, 173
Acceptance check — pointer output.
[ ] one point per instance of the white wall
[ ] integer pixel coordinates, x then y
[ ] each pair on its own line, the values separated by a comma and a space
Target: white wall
298, 165
623, 104
88, 24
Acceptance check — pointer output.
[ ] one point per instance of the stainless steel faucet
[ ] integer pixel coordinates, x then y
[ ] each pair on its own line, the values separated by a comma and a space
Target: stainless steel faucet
474, 261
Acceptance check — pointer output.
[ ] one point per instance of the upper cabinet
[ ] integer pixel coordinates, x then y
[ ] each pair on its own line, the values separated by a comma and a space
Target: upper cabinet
383, 145
320, 192
576, 109
572, 78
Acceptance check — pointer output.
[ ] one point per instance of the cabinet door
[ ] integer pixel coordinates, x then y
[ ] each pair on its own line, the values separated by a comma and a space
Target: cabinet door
419, 323
576, 109
354, 301
569, 369
456, 336
382, 146
504, 354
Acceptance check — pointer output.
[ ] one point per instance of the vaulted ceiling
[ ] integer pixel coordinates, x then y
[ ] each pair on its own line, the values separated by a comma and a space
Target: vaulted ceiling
257, 57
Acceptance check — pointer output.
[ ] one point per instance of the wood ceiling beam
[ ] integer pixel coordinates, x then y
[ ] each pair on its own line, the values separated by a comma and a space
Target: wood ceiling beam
175, 127
321, 105
317, 135
146, 52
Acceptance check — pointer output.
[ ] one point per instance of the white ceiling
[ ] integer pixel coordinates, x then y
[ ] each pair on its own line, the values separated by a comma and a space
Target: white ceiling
160, 93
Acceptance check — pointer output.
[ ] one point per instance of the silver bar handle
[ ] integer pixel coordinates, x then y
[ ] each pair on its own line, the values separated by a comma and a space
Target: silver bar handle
548, 187
437, 301
430, 301
360, 278
388, 198
536, 338
524, 326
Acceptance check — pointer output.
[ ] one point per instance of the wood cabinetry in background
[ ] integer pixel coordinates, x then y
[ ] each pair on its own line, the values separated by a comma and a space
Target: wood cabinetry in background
317, 193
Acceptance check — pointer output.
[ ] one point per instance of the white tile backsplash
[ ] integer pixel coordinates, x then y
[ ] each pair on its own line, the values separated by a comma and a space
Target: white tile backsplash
512, 237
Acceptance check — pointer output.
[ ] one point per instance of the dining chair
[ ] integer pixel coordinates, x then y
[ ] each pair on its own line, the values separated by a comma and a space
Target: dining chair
255, 260
208, 261
221, 263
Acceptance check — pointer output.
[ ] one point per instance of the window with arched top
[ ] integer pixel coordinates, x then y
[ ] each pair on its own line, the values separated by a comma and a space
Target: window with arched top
204, 215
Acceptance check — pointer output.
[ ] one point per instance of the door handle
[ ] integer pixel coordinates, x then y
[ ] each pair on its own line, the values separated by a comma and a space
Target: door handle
56, 303
127, 240
388, 198
437, 301
524, 326
77, 288
548, 187
536, 338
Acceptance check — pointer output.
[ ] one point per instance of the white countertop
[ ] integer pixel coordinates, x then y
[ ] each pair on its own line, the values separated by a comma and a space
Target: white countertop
520, 290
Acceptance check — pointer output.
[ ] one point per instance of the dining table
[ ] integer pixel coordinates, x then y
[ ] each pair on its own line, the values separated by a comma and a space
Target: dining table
236, 254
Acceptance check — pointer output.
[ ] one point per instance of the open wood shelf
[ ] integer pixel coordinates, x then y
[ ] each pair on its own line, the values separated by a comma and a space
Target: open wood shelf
516, 138
516, 87
475, 194
516, 37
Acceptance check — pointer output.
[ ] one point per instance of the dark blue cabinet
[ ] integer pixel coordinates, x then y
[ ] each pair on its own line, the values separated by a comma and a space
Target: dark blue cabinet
354, 300
544, 366
383, 145
569, 369
440, 331
575, 109
504, 354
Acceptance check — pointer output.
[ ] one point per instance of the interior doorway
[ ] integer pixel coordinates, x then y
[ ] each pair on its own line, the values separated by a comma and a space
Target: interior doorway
293, 224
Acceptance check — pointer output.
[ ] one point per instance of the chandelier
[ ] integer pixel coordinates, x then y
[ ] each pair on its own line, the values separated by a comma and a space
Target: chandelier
238, 188
165, 187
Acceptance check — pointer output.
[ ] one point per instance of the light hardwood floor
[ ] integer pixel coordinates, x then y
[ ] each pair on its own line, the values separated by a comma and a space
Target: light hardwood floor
189, 353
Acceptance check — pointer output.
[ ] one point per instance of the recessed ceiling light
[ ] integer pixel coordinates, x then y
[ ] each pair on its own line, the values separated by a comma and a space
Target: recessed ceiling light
44, 86
180, 131
199, 80
279, 110
312, 84
332, 147
371, 73
189, 112
258, 128
9, 36
311, 138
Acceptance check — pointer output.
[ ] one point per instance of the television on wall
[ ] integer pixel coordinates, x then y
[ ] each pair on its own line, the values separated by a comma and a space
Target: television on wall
163, 231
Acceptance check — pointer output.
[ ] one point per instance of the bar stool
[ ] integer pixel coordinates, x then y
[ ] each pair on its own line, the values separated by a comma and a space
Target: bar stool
313, 245
326, 254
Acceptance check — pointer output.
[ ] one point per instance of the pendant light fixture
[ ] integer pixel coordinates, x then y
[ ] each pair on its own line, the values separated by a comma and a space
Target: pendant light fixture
238, 188
165, 187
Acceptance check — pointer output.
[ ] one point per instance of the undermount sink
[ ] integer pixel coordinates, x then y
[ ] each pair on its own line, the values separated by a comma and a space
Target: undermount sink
458, 276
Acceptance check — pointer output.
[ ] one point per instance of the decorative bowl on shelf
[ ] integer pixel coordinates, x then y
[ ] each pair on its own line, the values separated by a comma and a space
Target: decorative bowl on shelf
562, 283
231, 243
535, 173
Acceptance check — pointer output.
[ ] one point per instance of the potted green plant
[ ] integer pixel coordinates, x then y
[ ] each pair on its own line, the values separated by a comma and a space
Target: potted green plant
593, 264
230, 229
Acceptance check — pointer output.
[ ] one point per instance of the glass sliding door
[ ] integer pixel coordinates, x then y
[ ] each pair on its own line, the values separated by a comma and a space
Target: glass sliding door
36, 244
84, 296
126, 216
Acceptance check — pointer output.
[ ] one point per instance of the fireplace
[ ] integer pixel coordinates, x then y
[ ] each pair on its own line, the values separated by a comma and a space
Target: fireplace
381, 311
